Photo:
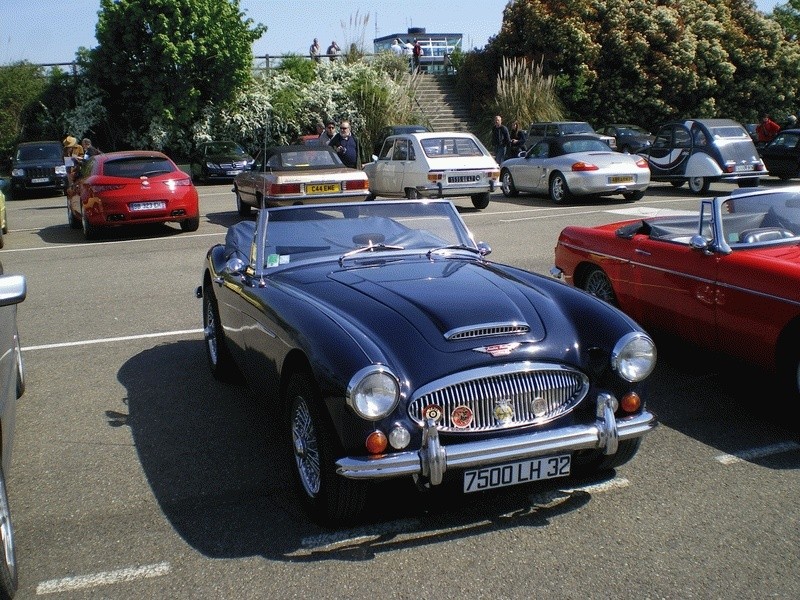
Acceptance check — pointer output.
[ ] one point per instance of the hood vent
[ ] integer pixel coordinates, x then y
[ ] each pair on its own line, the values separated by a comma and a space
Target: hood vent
486, 330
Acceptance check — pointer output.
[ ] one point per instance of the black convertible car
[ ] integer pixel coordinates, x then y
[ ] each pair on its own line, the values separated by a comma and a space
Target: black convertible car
387, 345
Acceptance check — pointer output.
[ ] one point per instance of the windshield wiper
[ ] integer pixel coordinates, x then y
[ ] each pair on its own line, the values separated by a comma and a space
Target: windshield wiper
453, 247
370, 248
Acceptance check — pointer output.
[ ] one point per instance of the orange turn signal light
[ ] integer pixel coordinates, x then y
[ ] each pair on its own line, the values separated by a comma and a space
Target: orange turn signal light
377, 442
631, 402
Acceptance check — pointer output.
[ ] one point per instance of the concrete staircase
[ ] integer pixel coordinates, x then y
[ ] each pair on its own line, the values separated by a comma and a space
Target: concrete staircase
438, 102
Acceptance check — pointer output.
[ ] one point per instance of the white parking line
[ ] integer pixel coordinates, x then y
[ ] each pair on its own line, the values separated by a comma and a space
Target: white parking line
150, 241
67, 584
727, 459
124, 338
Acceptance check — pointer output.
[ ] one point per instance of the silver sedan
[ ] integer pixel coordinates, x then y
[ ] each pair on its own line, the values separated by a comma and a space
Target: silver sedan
576, 165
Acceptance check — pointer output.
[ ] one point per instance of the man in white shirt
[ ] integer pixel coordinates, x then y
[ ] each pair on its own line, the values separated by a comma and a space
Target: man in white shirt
397, 47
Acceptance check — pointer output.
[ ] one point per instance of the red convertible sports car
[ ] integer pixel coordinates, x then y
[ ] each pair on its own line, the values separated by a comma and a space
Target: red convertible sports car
725, 279
129, 188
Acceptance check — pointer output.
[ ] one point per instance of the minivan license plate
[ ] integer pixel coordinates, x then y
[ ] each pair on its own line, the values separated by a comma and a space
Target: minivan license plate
523, 471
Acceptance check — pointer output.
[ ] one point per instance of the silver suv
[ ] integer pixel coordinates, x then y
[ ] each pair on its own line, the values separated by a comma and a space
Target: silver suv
538, 131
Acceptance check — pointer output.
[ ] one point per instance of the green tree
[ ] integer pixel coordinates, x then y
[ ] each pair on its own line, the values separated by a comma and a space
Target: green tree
646, 61
788, 15
21, 86
159, 62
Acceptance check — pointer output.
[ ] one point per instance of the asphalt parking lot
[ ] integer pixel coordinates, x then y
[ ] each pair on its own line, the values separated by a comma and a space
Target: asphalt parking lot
136, 475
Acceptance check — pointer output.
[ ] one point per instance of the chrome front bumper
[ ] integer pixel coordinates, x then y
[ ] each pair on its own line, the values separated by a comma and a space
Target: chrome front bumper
433, 459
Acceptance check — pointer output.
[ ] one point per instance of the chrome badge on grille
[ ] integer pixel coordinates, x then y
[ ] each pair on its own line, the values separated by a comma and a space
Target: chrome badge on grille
498, 349
503, 412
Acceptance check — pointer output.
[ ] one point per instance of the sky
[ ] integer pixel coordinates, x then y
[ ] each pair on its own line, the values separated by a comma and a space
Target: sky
51, 31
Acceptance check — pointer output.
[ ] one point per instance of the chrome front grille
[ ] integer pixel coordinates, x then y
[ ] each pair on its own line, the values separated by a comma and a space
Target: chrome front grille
486, 330
500, 397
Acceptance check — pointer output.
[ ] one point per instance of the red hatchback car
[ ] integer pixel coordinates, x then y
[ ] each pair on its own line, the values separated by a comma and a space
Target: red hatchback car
131, 188
726, 279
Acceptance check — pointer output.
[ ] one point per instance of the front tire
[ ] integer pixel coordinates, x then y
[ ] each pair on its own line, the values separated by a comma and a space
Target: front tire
481, 201
507, 184
220, 361
412, 193
90, 232
749, 182
559, 191
72, 220
329, 498
699, 185
633, 196
597, 283
8, 557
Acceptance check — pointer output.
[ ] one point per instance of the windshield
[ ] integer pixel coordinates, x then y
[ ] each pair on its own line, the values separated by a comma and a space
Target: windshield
570, 128
761, 218
224, 148
329, 231
49, 152
573, 146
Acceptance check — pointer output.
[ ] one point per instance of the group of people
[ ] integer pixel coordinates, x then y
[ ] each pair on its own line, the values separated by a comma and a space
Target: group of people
332, 52
343, 141
507, 143
767, 129
414, 51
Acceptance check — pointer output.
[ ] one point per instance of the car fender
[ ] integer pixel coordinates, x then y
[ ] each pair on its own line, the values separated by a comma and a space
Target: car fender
702, 164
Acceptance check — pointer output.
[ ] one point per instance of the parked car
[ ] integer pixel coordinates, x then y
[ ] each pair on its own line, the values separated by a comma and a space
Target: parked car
3, 217
726, 279
539, 131
395, 130
37, 169
220, 160
298, 174
387, 346
751, 130
629, 138
13, 289
133, 187
702, 151
568, 166
781, 156
433, 165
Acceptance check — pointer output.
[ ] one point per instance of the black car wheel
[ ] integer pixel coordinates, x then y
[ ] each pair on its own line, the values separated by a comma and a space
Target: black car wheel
74, 222
559, 192
597, 283
678, 183
481, 200
507, 184
633, 196
749, 182
8, 560
241, 206
699, 185
220, 360
328, 497
192, 224
412, 193
90, 232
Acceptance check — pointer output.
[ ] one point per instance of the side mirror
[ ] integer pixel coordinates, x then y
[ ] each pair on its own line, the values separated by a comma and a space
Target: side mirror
235, 266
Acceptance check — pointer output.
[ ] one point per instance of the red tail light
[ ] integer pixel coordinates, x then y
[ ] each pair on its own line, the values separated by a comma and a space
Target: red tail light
642, 164
584, 166
278, 189
356, 184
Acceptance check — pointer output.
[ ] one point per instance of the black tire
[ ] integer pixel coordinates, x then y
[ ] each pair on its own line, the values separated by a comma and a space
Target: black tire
412, 193
597, 283
242, 207
678, 183
220, 361
192, 224
370, 197
590, 463
699, 185
329, 498
2, 239
73, 222
481, 201
633, 196
507, 184
559, 191
749, 182
20, 368
90, 232
8, 557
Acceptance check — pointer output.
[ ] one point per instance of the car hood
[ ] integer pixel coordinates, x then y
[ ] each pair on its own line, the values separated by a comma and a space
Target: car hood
439, 298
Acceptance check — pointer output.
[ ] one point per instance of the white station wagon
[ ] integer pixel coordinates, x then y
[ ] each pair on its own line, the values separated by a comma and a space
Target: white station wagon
433, 165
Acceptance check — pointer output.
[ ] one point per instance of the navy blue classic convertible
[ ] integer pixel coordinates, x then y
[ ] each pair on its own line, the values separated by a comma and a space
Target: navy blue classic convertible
389, 346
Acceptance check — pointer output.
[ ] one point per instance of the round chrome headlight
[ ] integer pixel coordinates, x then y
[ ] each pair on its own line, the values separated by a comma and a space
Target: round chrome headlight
373, 392
634, 356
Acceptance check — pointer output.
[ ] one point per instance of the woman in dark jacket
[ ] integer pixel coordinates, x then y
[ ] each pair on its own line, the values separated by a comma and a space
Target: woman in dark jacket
517, 140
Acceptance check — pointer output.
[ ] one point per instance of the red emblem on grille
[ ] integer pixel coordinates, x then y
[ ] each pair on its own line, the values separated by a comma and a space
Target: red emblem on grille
432, 412
462, 416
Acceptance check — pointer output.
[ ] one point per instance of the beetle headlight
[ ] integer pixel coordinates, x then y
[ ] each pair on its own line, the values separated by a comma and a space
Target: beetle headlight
634, 356
373, 392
